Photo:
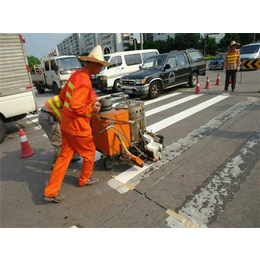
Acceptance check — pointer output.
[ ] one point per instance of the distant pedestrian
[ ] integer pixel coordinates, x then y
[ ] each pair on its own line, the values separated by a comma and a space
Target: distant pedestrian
231, 64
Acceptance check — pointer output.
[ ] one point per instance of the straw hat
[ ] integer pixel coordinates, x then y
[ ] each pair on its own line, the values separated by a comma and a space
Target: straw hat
232, 44
96, 55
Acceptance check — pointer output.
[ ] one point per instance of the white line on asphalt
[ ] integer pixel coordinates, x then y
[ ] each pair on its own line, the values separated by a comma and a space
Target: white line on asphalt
32, 121
170, 105
30, 116
220, 188
184, 114
177, 148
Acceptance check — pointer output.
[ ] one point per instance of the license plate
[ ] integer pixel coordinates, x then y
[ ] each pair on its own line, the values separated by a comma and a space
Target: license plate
128, 91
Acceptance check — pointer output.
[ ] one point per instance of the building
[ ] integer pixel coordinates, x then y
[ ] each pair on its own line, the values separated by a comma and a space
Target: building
72, 45
148, 37
79, 43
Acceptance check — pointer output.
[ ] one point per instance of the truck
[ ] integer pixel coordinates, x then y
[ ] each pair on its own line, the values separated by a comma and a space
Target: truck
17, 97
164, 71
53, 72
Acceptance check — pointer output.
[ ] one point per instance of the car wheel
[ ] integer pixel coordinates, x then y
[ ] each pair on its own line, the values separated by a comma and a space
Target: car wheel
154, 90
2, 131
56, 88
116, 86
109, 163
193, 80
40, 90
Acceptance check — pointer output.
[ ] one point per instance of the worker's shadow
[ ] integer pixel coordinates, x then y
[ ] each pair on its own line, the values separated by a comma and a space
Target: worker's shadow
34, 170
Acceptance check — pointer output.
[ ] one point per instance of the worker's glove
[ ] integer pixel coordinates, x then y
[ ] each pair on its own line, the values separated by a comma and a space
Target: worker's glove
97, 107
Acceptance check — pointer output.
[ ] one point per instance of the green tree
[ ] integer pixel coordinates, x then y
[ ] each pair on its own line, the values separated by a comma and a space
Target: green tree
32, 61
227, 39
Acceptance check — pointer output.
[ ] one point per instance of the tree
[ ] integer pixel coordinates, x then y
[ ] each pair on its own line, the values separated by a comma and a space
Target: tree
32, 61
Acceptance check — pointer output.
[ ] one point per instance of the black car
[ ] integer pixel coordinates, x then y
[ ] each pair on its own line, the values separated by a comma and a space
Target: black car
165, 71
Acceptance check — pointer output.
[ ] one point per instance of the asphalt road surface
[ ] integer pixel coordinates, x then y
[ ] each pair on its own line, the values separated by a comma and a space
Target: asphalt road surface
208, 177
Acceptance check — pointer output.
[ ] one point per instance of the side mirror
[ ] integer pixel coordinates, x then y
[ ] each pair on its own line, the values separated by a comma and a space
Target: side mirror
167, 66
140, 67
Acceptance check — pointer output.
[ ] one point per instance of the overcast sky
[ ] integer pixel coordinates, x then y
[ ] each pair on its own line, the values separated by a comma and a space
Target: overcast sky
39, 44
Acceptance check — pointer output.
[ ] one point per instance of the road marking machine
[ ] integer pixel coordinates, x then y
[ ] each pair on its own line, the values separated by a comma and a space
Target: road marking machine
120, 133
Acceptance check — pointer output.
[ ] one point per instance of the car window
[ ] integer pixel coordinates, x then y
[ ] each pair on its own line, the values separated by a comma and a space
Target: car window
196, 56
249, 49
172, 62
46, 65
53, 65
133, 59
181, 60
116, 61
148, 54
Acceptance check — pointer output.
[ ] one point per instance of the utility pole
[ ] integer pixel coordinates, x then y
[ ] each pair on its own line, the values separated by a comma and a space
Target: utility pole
141, 41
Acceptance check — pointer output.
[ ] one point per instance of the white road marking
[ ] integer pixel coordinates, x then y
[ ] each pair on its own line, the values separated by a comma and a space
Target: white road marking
184, 114
221, 187
177, 148
32, 121
170, 105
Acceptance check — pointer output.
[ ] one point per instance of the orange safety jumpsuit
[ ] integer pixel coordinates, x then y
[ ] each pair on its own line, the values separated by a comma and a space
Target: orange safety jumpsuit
78, 100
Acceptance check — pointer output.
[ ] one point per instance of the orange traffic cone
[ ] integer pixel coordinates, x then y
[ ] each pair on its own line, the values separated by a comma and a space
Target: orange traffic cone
208, 83
218, 80
197, 88
26, 148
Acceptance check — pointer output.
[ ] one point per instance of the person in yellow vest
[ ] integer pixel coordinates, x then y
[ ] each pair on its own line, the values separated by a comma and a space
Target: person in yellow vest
231, 65
49, 119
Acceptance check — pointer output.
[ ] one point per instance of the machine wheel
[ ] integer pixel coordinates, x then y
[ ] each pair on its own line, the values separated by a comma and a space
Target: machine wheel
40, 90
2, 131
117, 86
109, 163
154, 90
56, 88
193, 80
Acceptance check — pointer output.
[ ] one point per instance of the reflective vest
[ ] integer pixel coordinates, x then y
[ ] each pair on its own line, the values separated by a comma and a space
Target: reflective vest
70, 87
232, 57
54, 105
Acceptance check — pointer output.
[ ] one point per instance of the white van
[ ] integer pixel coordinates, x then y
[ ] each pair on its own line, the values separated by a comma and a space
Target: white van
250, 51
122, 63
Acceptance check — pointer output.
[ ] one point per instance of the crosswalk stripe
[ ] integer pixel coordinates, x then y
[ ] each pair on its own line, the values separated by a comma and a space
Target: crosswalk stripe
32, 121
184, 114
135, 170
170, 105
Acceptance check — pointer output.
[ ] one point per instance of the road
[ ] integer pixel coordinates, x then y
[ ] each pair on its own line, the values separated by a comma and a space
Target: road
208, 177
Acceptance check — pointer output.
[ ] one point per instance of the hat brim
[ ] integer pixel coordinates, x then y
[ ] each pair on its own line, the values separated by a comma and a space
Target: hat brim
236, 44
92, 59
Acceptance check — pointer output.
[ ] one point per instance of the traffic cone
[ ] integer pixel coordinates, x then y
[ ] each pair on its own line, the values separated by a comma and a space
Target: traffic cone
26, 148
197, 88
208, 83
218, 80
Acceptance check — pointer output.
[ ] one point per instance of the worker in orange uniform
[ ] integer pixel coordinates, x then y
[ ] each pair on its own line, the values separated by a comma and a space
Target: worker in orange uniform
80, 102
231, 65
49, 119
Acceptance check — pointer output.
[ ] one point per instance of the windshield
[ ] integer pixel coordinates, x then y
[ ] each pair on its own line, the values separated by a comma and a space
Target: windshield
68, 63
106, 58
221, 56
249, 49
154, 62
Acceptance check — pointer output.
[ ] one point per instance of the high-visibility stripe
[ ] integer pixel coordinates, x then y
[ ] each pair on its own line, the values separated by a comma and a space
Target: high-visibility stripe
57, 101
89, 115
56, 111
66, 104
70, 85
68, 95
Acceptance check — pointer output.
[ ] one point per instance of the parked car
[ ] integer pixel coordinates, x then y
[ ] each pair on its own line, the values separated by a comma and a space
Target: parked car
122, 63
217, 62
250, 52
165, 71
